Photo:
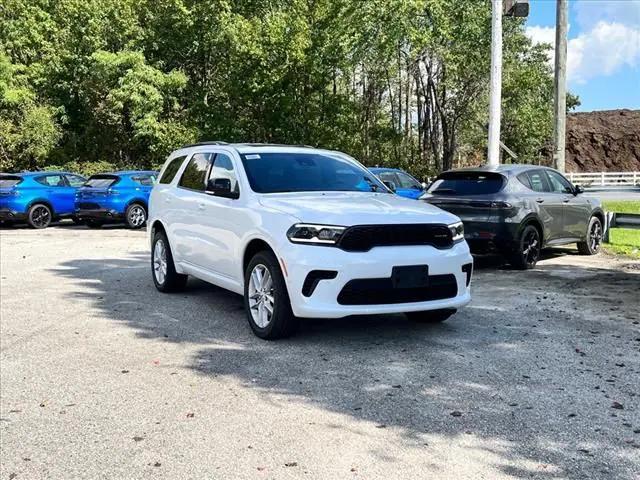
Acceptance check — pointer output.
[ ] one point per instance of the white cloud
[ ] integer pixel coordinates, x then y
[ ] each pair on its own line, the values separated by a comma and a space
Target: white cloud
589, 13
601, 51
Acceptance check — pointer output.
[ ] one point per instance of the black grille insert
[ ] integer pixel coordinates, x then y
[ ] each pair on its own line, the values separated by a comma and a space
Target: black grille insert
314, 277
379, 291
362, 238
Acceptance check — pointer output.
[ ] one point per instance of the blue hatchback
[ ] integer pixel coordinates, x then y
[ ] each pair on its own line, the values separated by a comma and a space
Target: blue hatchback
38, 197
403, 183
115, 197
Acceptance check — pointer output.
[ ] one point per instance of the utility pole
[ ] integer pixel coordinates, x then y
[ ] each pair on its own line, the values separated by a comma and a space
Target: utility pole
495, 93
560, 86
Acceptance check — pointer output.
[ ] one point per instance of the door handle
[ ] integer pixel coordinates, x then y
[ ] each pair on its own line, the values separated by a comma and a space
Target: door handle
566, 200
540, 200
201, 206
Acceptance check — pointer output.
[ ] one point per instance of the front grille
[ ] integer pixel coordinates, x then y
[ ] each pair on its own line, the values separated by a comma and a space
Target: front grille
362, 238
380, 291
88, 206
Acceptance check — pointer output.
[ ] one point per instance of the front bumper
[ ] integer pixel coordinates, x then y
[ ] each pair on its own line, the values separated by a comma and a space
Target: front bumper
376, 264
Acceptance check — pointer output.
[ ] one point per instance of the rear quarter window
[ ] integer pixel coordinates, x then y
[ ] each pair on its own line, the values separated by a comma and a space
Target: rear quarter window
145, 180
467, 183
8, 181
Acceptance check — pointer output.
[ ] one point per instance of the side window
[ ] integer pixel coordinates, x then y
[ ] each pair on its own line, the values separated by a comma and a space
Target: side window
195, 173
538, 181
171, 170
408, 182
223, 170
76, 180
144, 180
524, 180
52, 180
389, 177
559, 184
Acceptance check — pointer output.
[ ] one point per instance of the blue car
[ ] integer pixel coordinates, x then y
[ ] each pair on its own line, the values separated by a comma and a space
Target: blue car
115, 197
38, 197
403, 183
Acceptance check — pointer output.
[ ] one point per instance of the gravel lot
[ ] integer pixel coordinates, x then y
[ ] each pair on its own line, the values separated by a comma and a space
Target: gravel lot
103, 377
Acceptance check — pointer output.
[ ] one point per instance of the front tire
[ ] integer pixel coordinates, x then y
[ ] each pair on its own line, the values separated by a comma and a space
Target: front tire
266, 299
39, 216
431, 316
163, 270
594, 238
528, 248
135, 216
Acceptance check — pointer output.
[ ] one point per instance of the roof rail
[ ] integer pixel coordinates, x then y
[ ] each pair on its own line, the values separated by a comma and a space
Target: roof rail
200, 144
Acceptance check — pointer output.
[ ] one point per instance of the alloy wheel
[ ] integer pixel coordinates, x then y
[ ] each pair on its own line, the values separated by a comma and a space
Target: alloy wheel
531, 247
595, 236
40, 216
261, 295
160, 261
137, 216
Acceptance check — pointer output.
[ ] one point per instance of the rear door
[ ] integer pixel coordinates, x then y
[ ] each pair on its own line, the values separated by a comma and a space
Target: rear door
95, 191
549, 203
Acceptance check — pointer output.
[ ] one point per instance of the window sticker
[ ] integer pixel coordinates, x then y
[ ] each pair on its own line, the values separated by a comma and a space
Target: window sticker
253, 156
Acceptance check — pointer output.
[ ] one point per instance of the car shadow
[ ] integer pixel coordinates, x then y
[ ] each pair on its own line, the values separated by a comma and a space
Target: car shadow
490, 374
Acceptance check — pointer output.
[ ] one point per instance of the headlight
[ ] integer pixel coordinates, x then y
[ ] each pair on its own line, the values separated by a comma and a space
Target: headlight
319, 234
457, 232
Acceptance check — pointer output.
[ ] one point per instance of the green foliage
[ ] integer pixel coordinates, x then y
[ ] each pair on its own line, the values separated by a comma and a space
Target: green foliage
393, 82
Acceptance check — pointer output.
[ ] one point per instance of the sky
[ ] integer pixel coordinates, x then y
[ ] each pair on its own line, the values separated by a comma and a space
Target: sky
603, 52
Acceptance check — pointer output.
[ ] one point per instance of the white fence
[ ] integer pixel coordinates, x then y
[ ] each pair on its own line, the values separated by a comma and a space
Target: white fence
605, 179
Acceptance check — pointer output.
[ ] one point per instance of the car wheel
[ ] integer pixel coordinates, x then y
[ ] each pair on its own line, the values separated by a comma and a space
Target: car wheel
528, 249
266, 299
594, 238
91, 223
431, 316
163, 270
136, 215
39, 216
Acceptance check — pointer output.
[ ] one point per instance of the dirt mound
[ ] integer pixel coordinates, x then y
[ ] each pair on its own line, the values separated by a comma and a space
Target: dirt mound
607, 140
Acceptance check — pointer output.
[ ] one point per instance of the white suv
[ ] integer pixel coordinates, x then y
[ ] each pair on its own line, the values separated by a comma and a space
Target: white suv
302, 232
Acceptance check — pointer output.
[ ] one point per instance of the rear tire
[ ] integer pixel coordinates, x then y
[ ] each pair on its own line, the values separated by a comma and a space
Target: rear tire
163, 270
431, 316
594, 238
266, 299
39, 216
136, 216
527, 249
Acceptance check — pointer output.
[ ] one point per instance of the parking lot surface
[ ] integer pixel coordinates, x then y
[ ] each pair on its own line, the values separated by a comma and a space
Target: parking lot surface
101, 376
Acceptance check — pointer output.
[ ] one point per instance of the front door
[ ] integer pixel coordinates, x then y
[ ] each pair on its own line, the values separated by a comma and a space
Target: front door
577, 211
223, 221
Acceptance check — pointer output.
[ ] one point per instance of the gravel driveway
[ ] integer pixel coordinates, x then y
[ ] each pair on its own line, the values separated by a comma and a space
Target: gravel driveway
103, 377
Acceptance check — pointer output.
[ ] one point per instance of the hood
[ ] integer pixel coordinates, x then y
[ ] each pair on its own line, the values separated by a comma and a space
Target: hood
355, 208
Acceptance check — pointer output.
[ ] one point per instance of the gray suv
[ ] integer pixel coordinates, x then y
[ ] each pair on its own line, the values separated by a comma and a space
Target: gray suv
519, 209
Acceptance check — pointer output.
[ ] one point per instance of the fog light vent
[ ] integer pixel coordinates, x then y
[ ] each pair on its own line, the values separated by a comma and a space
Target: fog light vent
314, 277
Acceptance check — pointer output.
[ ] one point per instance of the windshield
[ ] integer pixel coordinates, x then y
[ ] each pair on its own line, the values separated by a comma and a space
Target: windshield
8, 181
467, 183
307, 172
101, 181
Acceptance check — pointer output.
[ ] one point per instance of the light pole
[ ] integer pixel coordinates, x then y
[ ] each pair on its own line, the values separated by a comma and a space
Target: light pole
560, 86
513, 8
495, 92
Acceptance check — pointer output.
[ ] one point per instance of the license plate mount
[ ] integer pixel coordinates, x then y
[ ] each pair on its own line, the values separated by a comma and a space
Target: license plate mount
412, 276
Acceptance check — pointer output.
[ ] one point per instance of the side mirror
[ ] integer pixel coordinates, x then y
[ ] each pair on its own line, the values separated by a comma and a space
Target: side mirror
390, 185
577, 190
221, 187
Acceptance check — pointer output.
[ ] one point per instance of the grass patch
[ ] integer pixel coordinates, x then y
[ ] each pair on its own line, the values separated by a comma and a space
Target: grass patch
623, 241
